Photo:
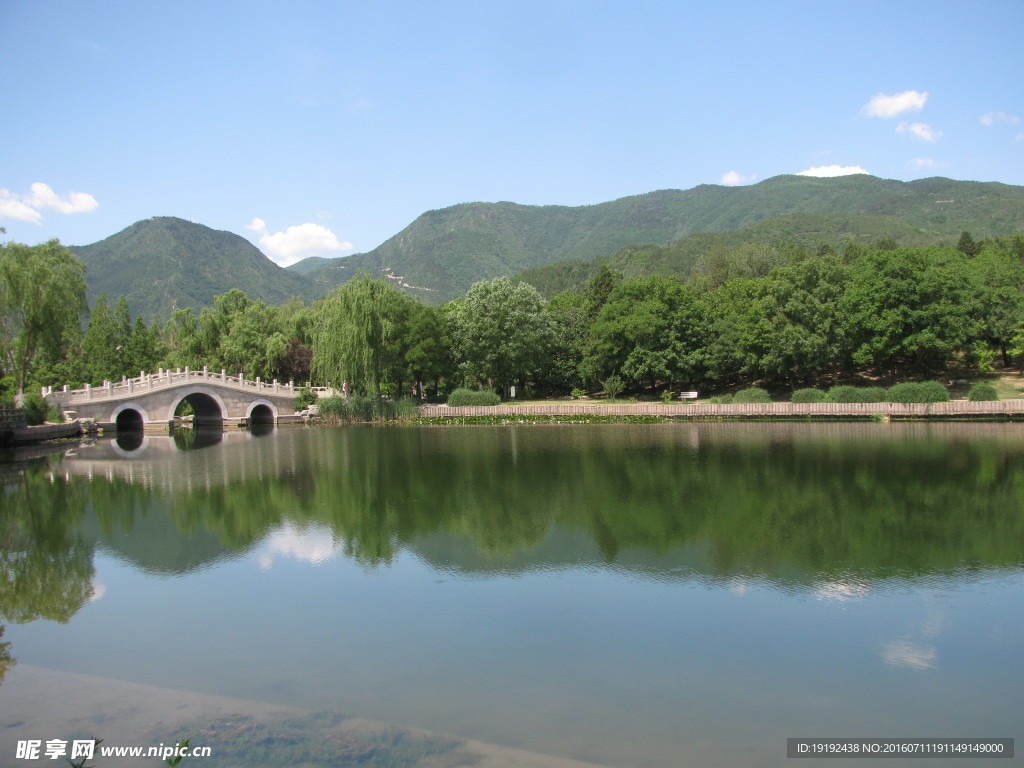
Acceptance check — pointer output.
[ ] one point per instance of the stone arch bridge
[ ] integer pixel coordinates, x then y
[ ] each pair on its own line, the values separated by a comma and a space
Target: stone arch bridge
149, 402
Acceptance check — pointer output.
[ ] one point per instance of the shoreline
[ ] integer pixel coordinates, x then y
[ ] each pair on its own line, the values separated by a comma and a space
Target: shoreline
953, 410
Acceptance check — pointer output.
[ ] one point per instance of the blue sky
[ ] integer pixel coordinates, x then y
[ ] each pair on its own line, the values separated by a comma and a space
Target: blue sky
323, 128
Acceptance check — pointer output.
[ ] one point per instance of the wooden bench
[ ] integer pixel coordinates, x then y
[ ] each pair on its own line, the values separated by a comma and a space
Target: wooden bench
689, 395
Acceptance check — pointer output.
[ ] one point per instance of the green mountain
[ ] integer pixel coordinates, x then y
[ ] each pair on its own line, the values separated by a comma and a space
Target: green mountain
681, 257
311, 264
164, 263
443, 252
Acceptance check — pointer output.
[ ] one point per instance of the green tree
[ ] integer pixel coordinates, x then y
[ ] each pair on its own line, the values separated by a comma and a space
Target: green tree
599, 288
253, 341
103, 346
569, 313
739, 318
428, 346
966, 244
502, 334
144, 348
42, 293
650, 329
238, 334
805, 333
998, 274
360, 334
910, 309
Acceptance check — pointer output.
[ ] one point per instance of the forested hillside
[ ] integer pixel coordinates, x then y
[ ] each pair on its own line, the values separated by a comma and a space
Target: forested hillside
765, 242
165, 263
443, 252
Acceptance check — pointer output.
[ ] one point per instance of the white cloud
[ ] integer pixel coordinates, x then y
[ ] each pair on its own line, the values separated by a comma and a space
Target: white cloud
12, 208
732, 178
922, 131
842, 590
893, 106
903, 653
831, 171
1019, 137
298, 242
922, 162
75, 202
991, 118
314, 545
40, 198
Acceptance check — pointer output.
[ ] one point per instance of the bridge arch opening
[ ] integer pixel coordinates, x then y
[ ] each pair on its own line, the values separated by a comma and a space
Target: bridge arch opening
129, 420
205, 410
261, 414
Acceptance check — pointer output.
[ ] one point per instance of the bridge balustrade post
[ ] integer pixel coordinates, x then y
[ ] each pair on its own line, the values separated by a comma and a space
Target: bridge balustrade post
276, 388
241, 379
224, 375
206, 373
186, 373
88, 391
149, 381
110, 388
257, 383
291, 385
131, 386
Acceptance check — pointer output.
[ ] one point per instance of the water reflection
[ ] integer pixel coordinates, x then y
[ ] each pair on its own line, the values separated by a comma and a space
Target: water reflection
130, 442
194, 438
662, 590
830, 510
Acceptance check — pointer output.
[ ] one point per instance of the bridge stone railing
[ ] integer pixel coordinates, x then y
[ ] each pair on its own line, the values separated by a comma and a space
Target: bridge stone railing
148, 382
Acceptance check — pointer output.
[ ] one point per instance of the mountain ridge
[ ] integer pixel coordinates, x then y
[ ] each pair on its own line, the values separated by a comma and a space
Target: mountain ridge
164, 263
437, 250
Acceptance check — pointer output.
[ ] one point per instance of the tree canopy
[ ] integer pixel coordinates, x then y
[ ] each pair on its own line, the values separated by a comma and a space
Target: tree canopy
42, 296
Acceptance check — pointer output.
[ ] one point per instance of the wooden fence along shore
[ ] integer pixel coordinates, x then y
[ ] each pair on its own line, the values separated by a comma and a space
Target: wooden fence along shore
951, 409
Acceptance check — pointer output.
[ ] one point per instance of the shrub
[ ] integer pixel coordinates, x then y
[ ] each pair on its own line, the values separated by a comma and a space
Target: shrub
809, 395
469, 397
873, 394
917, 392
847, 394
613, 386
36, 409
842, 394
720, 400
7, 390
982, 391
305, 397
357, 408
752, 395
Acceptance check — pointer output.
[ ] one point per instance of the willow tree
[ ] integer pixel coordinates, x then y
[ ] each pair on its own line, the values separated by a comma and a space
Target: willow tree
359, 336
42, 295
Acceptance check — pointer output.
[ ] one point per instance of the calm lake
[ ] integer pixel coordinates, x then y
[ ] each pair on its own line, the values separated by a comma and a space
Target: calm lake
627, 595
